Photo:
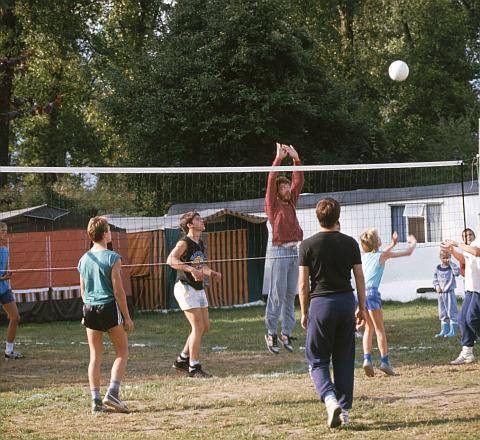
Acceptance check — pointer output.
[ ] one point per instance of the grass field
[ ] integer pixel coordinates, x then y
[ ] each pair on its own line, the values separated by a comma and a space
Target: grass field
253, 395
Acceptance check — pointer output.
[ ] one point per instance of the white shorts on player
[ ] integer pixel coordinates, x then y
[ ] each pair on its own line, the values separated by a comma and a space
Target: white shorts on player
188, 297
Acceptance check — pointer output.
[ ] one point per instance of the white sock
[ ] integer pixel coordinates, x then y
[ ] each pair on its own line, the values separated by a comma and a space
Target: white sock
9, 347
467, 350
330, 397
193, 362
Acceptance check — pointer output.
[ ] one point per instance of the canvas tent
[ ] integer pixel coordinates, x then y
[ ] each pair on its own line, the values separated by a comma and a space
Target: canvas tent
235, 240
45, 245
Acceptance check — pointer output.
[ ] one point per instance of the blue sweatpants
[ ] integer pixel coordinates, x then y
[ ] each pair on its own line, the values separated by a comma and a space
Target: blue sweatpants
331, 337
469, 319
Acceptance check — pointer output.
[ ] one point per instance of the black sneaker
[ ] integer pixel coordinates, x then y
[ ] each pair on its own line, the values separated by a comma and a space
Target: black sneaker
198, 373
181, 364
98, 407
14, 355
272, 343
286, 341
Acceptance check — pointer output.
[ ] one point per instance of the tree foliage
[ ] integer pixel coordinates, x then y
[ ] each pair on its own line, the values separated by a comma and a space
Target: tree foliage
217, 82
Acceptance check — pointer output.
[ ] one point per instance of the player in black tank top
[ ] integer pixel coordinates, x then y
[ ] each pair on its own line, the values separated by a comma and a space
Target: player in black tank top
189, 258
194, 256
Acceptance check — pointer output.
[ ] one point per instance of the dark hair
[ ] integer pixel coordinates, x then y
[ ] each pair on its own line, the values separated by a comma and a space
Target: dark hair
464, 234
282, 179
187, 219
328, 212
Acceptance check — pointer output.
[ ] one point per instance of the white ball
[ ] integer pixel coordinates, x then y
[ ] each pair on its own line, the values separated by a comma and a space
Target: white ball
398, 70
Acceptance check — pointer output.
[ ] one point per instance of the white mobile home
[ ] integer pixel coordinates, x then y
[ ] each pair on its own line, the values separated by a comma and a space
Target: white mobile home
431, 213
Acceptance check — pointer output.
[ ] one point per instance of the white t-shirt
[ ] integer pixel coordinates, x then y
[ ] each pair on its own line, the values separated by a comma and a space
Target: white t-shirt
472, 269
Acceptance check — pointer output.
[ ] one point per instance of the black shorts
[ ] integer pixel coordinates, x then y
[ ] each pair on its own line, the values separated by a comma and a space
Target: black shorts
102, 317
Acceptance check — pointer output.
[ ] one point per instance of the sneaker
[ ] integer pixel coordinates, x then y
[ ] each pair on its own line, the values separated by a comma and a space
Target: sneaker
463, 358
181, 364
197, 372
345, 417
97, 407
14, 355
387, 369
333, 413
115, 403
368, 368
286, 341
272, 343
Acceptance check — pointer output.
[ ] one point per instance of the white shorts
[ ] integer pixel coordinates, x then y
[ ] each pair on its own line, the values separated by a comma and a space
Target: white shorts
188, 297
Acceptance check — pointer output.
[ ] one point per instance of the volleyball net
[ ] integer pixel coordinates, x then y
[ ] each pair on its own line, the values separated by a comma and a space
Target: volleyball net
47, 211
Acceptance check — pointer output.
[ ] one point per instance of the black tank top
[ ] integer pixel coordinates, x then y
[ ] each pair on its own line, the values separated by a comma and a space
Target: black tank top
195, 256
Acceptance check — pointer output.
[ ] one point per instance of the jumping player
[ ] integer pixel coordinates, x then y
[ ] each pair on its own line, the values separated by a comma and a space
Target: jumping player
282, 265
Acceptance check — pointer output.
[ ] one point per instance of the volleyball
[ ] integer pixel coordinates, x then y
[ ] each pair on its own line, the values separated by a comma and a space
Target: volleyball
398, 70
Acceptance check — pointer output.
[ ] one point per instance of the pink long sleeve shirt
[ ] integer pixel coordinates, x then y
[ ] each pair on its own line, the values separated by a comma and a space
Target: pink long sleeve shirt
282, 215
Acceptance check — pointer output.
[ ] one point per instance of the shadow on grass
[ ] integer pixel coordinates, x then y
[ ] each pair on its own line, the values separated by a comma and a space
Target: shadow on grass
392, 426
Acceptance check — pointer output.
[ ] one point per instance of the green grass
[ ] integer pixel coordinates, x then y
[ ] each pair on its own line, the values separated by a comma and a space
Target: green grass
253, 394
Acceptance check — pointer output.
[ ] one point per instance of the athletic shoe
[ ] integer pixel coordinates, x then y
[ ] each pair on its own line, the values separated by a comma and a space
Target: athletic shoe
97, 407
387, 369
181, 364
272, 343
368, 368
286, 341
345, 417
14, 355
463, 358
197, 372
333, 413
115, 403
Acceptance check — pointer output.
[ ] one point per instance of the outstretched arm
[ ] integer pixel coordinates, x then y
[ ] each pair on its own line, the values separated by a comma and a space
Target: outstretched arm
392, 243
412, 242
298, 178
271, 195
473, 250
447, 246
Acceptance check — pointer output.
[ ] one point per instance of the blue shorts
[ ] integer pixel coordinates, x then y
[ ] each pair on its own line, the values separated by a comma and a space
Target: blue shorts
374, 299
6, 297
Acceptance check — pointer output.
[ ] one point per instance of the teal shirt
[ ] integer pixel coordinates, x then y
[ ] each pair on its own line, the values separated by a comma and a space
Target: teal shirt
371, 269
96, 271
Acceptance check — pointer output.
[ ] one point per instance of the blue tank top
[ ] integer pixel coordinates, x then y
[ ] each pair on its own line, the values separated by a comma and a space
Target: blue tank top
96, 271
4, 284
372, 269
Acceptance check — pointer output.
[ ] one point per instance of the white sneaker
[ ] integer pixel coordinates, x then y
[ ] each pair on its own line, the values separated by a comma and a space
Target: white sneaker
387, 369
345, 417
333, 413
463, 358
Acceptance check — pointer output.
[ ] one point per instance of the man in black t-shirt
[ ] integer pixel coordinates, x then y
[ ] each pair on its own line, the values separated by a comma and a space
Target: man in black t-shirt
328, 309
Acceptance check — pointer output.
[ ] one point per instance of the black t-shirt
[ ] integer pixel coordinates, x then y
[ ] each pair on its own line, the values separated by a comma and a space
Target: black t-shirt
195, 255
330, 257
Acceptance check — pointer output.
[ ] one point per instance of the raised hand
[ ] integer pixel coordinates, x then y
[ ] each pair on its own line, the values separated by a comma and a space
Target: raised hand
281, 153
291, 152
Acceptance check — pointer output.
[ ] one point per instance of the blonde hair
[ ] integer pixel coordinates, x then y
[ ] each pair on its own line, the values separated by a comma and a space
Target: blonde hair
369, 240
97, 227
3, 225
444, 254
